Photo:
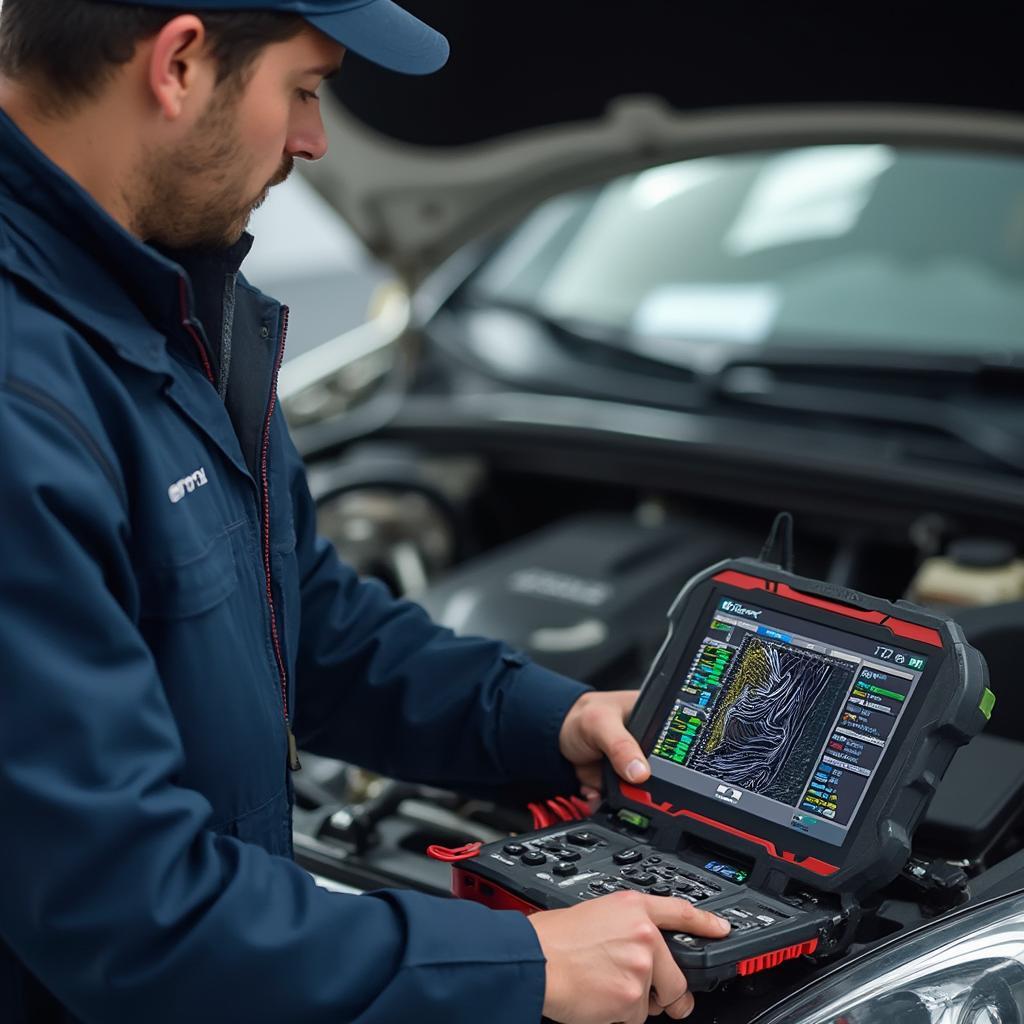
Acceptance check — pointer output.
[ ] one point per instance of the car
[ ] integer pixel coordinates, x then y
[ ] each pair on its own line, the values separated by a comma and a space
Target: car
660, 273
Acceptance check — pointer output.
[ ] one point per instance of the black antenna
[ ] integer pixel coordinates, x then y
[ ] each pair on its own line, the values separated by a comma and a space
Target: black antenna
782, 526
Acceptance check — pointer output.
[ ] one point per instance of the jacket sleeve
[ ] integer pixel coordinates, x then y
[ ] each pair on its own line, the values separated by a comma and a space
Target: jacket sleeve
115, 893
381, 684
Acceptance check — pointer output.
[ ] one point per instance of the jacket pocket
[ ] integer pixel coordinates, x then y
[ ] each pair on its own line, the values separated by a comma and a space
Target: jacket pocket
190, 587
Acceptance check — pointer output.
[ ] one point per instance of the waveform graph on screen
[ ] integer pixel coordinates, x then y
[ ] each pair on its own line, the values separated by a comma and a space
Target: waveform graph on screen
766, 730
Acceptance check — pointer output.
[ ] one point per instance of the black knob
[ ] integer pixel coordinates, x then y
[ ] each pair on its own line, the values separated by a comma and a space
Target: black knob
513, 849
564, 867
582, 838
569, 855
627, 856
533, 858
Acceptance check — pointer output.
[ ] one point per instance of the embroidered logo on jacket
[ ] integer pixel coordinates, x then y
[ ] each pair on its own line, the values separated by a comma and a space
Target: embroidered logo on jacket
186, 485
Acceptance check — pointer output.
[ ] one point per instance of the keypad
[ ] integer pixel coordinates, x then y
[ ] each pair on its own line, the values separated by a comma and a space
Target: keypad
607, 866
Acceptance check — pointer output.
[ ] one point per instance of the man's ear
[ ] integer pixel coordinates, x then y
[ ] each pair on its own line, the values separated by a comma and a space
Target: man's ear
179, 64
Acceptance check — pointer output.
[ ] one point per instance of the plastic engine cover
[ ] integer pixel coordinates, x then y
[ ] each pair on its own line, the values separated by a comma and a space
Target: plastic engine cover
586, 596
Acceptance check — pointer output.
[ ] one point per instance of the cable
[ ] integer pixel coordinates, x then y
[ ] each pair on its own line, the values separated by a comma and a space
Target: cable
784, 522
581, 806
450, 854
560, 811
541, 818
570, 807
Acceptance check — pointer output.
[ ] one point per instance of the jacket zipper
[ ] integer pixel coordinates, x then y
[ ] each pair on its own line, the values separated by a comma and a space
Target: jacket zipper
293, 756
189, 325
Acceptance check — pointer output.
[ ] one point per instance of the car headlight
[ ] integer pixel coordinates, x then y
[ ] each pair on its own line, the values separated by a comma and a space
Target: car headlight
338, 375
965, 969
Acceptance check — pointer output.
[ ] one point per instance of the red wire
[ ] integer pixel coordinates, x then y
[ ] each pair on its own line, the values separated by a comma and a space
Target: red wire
582, 806
573, 810
559, 810
540, 816
446, 853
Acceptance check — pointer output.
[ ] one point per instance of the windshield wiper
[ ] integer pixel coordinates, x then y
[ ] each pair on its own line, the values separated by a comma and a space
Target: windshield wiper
728, 371
758, 386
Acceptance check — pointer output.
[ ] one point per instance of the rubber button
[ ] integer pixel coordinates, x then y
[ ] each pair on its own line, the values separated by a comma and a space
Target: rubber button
532, 859
627, 856
643, 879
514, 849
583, 838
569, 855
660, 890
564, 868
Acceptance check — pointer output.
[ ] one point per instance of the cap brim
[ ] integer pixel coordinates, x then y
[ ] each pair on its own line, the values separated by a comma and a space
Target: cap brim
387, 35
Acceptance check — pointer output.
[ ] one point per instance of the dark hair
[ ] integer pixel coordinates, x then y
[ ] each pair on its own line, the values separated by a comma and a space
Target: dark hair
71, 48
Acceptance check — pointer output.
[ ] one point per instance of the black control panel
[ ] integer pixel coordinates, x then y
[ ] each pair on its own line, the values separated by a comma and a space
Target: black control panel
562, 866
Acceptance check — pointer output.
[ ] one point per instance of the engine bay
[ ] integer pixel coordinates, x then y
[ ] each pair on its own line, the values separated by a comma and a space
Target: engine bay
579, 574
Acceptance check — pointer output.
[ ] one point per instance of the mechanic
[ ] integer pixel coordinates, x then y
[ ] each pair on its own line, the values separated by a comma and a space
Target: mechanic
172, 628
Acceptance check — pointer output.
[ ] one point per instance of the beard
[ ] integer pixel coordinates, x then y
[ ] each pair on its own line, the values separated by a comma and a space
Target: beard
192, 195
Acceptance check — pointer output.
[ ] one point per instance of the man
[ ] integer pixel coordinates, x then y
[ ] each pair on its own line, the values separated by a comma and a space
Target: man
171, 627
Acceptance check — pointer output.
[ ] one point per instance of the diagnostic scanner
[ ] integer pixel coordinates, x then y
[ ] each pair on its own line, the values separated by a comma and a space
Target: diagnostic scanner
796, 731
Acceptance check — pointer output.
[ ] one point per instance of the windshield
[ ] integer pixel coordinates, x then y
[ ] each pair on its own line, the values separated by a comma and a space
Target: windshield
850, 246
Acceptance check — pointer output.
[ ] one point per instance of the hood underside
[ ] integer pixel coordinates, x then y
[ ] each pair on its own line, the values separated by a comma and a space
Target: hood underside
551, 96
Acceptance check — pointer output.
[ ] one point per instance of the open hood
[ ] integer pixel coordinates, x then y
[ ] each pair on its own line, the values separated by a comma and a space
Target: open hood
540, 97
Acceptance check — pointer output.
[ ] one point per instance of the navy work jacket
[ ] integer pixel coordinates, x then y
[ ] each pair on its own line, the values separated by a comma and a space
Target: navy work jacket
166, 609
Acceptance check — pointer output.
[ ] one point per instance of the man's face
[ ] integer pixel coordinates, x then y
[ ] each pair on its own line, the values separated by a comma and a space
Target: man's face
202, 190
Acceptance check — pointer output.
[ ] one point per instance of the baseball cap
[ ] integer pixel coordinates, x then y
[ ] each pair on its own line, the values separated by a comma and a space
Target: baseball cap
378, 30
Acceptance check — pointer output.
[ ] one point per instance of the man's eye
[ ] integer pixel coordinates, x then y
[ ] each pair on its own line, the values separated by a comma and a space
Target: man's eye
306, 96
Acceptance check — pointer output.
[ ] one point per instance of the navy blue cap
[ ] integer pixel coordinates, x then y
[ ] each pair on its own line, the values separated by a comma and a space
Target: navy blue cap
378, 30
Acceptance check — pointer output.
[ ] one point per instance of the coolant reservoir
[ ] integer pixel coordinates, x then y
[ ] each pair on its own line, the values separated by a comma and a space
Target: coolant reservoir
974, 571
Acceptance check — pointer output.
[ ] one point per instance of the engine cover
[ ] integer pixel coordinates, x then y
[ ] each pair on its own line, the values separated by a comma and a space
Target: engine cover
586, 596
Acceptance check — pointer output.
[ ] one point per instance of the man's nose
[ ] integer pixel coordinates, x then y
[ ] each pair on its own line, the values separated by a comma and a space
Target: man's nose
308, 140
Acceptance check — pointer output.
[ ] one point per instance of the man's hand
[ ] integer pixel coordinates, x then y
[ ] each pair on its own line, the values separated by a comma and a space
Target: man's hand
607, 959
595, 728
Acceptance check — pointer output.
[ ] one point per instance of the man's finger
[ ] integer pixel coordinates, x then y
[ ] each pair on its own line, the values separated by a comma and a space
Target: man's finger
675, 915
681, 1008
613, 738
667, 979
